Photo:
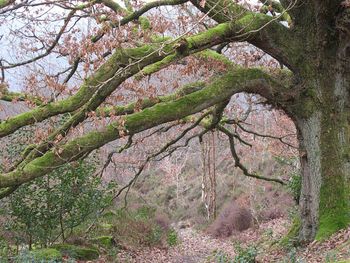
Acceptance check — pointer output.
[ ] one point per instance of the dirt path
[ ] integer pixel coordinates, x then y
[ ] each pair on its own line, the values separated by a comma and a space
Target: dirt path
194, 247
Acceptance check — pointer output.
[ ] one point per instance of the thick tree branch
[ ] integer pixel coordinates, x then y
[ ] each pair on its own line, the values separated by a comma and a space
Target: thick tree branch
264, 32
148, 102
274, 7
106, 89
221, 89
123, 64
7, 191
9, 96
116, 111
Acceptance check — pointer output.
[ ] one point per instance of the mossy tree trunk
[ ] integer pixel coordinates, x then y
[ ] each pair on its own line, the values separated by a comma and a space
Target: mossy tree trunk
325, 161
324, 135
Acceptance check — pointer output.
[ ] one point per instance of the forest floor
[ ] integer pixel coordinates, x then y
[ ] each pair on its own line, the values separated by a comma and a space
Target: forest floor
195, 247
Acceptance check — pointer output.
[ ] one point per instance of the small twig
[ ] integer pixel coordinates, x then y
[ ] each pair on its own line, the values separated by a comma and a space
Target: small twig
110, 156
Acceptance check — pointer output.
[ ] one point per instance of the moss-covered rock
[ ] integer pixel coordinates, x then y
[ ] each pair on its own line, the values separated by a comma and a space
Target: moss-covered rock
77, 252
109, 215
106, 226
104, 241
46, 254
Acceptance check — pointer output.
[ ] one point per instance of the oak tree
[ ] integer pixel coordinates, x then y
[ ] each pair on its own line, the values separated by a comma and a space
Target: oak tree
100, 46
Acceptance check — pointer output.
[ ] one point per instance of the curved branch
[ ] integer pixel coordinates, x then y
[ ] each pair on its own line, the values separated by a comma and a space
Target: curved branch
269, 136
7, 191
123, 64
159, 152
262, 31
221, 89
110, 85
148, 102
82, 115
240, 165
137, 14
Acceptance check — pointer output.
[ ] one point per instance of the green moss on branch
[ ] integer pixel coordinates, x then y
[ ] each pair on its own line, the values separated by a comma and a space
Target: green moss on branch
149, 102
220, 89
111, 74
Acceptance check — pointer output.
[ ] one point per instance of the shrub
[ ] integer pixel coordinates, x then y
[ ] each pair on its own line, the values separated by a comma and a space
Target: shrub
141, 227
222, 257
4, 249
232, 218
45, 255
272, 203
145, 212
77, 239
172, 238
155, 235
162, 220
54, 205
270, 213
245, 255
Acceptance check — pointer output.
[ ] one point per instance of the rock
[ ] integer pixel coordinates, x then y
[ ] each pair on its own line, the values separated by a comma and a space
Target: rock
77, 252
106, 226
109, 214
184, 224
46, 254
104, 241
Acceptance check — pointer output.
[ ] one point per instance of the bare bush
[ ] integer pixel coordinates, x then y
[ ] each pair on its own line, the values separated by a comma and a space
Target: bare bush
232, 218
144, 226
162, 220
274, 204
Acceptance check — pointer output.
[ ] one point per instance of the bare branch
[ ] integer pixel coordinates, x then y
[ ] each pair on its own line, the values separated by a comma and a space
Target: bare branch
136, 15
49, 49
279, 138
112, 153
159, 152
240, 165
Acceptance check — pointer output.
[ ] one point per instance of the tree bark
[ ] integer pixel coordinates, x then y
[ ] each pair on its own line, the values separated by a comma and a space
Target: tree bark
324, 139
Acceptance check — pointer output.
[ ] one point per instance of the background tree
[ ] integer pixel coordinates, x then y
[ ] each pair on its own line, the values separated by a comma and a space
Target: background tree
104, 52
